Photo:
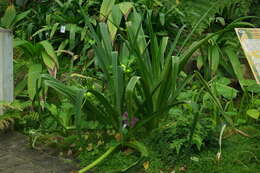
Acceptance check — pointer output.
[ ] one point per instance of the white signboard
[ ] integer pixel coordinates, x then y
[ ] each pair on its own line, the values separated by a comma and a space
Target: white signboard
250, 41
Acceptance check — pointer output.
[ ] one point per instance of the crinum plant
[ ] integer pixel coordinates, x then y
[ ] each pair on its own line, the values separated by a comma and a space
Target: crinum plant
139, 100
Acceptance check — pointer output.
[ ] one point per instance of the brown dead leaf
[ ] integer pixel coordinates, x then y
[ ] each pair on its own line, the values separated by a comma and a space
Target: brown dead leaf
118, 137
100, 142
61, 153
146, 165
90, 147
69, 153
73, 145
73, 172
183, 168
128, 151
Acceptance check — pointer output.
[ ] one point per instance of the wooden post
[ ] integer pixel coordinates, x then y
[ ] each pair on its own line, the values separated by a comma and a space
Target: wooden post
6, 67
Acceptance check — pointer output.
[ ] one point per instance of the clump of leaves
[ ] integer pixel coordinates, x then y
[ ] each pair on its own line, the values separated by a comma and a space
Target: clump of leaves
177, 137
12, 112
6, 122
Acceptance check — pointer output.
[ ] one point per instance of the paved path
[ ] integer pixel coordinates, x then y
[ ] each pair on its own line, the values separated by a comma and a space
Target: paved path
17, 157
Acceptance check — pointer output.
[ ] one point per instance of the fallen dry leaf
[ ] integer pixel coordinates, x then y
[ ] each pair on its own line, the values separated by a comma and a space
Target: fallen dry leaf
183, 168
118, 137
146, 165
69, 153
90, 147
128, 151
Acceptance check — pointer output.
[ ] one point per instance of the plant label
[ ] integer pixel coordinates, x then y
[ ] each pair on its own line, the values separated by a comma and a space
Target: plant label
250, 41
63, 29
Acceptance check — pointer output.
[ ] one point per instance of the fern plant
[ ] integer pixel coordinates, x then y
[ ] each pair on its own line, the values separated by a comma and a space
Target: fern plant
12, 112
11, 19
228, 10
6, 122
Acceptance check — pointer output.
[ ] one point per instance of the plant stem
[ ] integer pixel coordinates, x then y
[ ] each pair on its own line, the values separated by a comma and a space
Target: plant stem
100, 159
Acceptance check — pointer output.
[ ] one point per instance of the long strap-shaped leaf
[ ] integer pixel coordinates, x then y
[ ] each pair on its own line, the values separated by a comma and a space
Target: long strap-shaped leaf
214, 98
112, 113
188, 53
100, 159
74, 94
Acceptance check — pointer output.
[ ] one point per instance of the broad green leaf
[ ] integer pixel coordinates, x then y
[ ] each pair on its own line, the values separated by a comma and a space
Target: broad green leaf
106, 8
129, 93
162, 52
59, 2
114, 21
75, 95
33, 79
224, 81
20, 87
9, 17
215, 99
48, 60
53, 30
117, 82
211, 93
135, 31
162, 18
17, 43
72, 42
53, 109
256, 102
27, 47
21, 16
236, 65
83, 33
50, 51
199, 62
214, 59
45, 28
126, 8
62, 46
112, 115
253, 113
106, 41
226, 91
185, 56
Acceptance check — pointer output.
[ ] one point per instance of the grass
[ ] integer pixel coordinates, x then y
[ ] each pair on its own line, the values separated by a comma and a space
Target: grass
239, 155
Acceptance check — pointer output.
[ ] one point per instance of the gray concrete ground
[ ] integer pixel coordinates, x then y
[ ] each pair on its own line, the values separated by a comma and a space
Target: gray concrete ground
16, 156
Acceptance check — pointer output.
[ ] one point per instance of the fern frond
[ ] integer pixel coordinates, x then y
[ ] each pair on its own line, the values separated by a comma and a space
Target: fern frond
7, 121
194, 9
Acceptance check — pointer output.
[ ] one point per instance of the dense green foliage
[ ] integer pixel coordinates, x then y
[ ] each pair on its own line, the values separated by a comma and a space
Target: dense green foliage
118, 77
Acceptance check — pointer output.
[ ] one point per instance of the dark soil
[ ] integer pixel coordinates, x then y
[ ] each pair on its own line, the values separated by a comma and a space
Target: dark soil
16, 156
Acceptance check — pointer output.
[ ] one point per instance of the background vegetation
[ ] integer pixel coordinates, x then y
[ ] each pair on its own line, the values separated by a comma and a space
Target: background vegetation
144, 82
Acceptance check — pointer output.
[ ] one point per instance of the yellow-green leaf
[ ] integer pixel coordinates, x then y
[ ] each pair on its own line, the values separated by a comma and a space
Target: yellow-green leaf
33, 77
253, 113
50, 52
9, 17
106, 8
48, 60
